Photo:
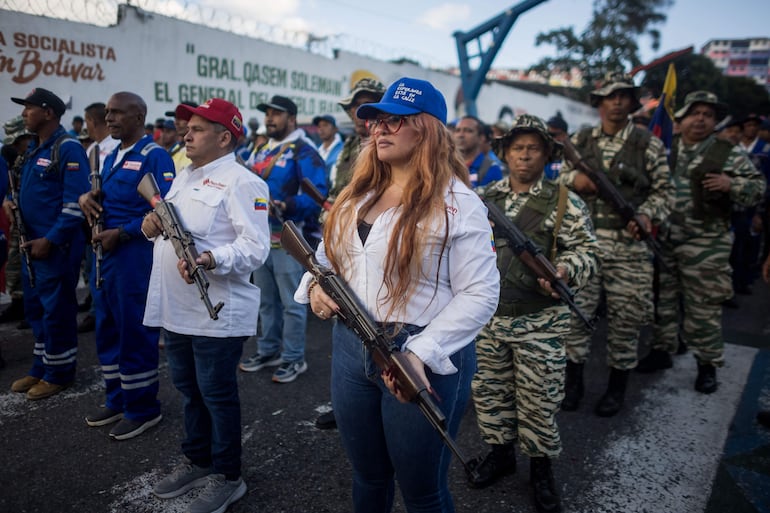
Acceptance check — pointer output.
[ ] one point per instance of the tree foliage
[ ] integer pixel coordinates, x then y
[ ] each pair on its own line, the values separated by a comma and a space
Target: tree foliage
697, 72
609, 42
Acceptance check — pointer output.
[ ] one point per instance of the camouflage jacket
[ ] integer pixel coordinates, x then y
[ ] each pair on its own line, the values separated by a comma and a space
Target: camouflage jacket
575, 242
747, 185
343, 169
661, 190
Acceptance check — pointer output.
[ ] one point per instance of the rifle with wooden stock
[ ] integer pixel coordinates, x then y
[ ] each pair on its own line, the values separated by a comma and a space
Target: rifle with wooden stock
181, 239
532, 256
21, 229
610, 194
386, 356
98, 226
312, 191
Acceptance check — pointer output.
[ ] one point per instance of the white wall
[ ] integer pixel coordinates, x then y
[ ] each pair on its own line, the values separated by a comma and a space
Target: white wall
166, 61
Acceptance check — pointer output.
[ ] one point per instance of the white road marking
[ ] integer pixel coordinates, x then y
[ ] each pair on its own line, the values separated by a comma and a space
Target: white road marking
669, 461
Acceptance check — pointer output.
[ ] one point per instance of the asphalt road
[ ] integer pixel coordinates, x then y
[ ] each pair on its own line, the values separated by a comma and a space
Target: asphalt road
660, 454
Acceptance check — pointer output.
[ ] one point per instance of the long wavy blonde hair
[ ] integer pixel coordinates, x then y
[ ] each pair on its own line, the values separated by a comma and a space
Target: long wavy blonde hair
435, 162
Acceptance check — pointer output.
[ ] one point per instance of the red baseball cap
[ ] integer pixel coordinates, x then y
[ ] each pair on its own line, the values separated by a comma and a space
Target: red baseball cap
215, 110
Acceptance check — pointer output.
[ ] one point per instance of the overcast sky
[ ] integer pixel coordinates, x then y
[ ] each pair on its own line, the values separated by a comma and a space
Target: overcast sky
425, 27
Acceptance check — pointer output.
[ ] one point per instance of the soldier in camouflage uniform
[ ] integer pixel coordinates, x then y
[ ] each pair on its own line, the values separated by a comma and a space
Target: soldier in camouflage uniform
520, 380
365, 90
636, 163
17, 138
710, 176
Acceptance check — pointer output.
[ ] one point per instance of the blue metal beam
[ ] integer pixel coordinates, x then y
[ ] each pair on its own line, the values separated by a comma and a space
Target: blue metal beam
499, 26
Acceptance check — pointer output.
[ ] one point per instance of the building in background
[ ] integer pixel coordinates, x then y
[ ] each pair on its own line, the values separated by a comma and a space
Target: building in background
741, 57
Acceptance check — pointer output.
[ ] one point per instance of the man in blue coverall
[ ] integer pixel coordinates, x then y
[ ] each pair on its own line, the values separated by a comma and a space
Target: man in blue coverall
128, 350
283, 162
54, 174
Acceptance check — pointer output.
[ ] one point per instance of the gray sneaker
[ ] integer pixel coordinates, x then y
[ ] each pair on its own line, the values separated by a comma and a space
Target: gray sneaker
289, 371
218, 495
258, 362
182, 479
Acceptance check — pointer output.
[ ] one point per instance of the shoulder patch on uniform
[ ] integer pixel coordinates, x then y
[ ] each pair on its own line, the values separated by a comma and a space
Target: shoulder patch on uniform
168, 176
260, 203
73, 166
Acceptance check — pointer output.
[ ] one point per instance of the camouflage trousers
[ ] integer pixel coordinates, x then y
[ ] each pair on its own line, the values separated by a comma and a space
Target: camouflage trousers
519, 385
700, 280
625, 277
13, 284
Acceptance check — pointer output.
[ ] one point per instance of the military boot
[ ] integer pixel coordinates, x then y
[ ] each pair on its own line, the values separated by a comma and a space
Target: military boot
682, 347
706, 382
500, 461
14, 311
573, 386
544, 493
655, 360
612, 400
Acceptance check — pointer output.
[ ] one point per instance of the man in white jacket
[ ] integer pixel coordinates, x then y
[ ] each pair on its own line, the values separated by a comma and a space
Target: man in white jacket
225, 209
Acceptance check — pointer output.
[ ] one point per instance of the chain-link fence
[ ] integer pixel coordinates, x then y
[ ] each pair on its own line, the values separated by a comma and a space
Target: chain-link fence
106, 12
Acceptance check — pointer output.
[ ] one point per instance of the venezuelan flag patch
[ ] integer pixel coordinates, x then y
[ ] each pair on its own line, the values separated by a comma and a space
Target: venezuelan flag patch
260, 204
168, 177
73, 166
492, 240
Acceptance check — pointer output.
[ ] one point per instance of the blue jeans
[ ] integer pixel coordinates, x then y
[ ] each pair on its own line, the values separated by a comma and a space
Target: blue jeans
283, 319
204, 369
383, 437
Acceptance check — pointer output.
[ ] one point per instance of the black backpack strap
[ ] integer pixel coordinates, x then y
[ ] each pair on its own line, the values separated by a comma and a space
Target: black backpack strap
56, 151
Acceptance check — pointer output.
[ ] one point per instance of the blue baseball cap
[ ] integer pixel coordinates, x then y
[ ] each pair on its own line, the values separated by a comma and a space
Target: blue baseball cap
326, 117
405, 97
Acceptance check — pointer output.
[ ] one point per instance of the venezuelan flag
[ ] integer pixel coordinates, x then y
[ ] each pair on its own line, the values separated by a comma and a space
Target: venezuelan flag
260, 204
662, 123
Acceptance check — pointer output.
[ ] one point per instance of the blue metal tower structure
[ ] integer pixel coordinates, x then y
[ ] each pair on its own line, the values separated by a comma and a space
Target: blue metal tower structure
498, 27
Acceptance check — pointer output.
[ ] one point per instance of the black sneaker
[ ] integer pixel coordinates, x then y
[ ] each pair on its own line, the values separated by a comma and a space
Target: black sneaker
85, 305
258, 362
87, 324
326, 420
103, 416
128, 428
182, 479
14, 311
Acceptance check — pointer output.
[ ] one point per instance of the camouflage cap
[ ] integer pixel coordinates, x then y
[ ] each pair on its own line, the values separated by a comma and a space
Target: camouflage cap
14, 129
701, 97
616, 82
527, 124
365, 85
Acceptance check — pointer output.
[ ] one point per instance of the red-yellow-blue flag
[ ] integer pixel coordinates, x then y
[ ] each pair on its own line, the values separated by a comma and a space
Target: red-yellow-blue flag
662, 124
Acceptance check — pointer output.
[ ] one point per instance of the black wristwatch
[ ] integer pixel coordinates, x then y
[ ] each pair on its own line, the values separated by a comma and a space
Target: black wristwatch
123, 235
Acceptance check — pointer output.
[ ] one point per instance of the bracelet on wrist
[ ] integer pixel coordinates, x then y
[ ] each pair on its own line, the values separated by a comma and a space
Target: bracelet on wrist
212, 263
311, 287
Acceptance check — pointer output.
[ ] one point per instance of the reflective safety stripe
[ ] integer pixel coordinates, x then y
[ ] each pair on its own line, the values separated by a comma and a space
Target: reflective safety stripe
72, 209
141, 375
139, 380
62, 358
138, 384
111, 371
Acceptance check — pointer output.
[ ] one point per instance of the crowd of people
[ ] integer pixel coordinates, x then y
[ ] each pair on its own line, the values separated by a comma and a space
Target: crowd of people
403, 220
